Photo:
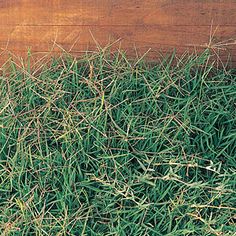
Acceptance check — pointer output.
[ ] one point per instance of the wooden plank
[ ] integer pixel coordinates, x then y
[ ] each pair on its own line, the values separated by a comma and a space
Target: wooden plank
157, 24
118, 12
39, 37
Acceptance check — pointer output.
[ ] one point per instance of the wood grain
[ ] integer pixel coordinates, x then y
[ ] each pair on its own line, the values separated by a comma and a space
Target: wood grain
161, 25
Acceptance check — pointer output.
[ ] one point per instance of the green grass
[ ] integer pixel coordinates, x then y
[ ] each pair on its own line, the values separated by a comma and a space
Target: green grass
106, 146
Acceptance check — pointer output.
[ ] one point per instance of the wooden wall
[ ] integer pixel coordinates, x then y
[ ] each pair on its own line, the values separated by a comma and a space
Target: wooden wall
158, 24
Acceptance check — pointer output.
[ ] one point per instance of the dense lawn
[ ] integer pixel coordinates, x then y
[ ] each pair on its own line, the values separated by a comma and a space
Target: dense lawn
101, 146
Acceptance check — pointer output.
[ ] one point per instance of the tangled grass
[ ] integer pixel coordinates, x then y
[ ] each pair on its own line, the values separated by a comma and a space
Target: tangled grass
101, 145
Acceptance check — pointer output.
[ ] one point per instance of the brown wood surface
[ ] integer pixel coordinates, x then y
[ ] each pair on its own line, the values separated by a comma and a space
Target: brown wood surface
161, 25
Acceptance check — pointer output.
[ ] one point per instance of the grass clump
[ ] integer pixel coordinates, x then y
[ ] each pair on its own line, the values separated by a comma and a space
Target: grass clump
103, 146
